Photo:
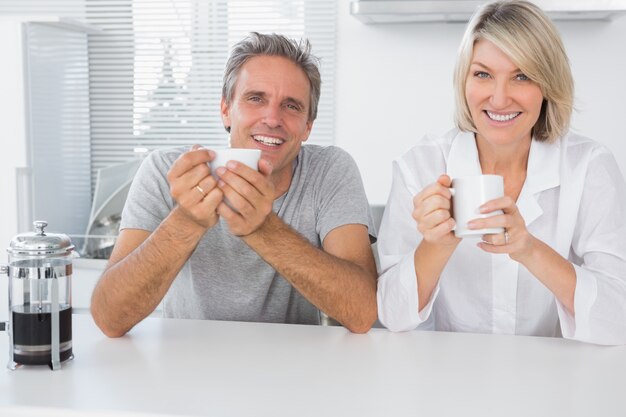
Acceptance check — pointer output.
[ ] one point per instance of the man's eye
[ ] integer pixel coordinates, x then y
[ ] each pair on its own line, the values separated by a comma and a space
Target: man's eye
293, 107
256, 99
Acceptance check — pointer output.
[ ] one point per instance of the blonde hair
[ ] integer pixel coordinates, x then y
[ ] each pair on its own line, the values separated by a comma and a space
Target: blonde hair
527, 36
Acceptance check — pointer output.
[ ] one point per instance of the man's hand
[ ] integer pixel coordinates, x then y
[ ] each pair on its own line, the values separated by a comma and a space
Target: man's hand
250, 196
193, 187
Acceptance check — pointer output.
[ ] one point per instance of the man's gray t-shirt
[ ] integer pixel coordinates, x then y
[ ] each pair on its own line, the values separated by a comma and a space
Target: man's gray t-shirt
226, 280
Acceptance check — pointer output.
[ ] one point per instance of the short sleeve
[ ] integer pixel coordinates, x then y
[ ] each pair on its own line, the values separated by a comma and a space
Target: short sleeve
340, 195
149, 200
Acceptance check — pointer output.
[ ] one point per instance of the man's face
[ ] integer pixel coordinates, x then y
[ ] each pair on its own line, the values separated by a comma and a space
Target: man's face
270, 111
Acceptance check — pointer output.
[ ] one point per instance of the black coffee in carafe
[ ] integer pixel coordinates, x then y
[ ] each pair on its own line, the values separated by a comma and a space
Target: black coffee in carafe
32, 328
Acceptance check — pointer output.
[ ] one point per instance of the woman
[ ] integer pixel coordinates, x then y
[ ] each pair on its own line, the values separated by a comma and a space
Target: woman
560, 266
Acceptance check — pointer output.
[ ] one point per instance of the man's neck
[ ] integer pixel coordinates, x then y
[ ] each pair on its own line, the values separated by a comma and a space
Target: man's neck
282, 180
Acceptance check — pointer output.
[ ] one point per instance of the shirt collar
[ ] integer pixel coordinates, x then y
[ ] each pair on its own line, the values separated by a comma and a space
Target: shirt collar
542, 173
463, 158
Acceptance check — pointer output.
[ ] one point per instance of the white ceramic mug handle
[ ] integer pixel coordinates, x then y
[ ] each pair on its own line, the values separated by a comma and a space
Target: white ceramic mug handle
452, 192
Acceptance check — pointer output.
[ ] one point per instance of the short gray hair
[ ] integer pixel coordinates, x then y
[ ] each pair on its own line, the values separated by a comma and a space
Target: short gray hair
257, 44
527, 36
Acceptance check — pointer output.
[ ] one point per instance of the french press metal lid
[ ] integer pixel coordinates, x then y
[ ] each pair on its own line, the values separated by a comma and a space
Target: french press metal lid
39, 243
40, 311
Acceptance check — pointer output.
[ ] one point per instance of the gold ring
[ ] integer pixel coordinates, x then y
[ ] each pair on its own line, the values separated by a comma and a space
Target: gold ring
200, 190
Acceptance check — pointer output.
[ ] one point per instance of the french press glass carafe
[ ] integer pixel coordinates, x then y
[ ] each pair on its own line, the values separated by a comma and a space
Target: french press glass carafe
40, 308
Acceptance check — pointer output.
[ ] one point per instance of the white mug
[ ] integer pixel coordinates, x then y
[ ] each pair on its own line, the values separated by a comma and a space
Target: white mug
468, 194
249, 157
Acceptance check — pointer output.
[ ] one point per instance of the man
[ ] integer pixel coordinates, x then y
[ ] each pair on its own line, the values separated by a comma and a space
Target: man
293, 238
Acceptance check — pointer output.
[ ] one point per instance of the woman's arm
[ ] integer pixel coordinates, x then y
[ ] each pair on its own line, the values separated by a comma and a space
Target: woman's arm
589, 286
414, 245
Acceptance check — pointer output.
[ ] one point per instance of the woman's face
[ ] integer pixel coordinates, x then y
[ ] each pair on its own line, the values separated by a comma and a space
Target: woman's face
503, 102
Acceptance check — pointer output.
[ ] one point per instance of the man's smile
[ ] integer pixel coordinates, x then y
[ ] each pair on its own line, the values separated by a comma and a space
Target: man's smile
268, 140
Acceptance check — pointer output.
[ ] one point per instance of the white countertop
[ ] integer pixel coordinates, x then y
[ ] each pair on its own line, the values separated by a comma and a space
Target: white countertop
188, 367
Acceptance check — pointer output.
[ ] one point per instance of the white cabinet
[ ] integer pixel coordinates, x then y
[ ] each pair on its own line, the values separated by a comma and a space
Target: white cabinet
85, 275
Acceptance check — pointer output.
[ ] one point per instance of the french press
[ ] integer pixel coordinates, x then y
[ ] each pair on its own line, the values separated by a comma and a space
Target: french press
40, 308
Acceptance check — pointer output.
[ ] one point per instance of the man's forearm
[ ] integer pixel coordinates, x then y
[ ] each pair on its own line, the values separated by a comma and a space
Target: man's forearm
342, 289
130, 289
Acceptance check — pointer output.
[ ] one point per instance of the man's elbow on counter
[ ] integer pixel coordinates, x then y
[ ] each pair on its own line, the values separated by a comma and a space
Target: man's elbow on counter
104, 324
361, 329
112, 333
362, 326
108, 330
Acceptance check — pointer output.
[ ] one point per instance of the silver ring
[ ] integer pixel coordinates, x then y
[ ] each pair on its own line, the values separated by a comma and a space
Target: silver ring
200, 190
506, 237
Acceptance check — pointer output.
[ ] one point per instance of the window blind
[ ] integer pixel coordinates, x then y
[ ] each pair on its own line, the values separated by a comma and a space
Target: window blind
155, 71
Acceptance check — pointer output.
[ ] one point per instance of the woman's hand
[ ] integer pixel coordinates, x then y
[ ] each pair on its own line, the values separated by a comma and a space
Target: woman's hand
554, 271
431, 211
516, 241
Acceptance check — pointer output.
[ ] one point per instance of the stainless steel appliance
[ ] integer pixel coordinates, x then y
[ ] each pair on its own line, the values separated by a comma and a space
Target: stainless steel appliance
40, 307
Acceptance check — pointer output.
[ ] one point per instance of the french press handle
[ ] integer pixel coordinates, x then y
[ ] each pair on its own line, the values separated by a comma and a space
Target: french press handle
4, 269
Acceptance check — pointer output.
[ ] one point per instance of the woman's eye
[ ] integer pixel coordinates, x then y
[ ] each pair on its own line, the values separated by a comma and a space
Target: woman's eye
522, 77
481, 74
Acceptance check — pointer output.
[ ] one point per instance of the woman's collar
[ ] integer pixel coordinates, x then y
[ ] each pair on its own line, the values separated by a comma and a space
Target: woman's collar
542, 170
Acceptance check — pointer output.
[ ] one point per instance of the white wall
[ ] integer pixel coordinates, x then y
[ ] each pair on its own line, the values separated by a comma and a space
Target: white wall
13, 121
394, 84
12, 145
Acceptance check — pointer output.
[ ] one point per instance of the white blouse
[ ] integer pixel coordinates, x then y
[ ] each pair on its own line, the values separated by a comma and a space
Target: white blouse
573, 199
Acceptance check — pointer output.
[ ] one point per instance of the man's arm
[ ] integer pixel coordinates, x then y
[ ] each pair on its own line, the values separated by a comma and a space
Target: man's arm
141, 269
143, 265
340, 280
